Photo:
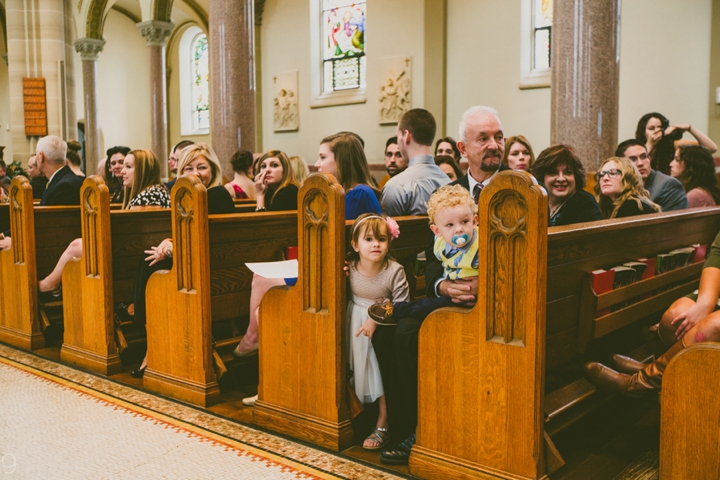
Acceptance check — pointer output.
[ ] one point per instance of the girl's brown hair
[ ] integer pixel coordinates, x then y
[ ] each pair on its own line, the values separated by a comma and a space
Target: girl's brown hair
364, 223
352, 166
632, 189
147, 174
509, 142
288, 177
699, 171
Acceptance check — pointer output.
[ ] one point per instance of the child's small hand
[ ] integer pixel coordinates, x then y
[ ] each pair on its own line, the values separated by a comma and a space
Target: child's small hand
346, 269
368, 328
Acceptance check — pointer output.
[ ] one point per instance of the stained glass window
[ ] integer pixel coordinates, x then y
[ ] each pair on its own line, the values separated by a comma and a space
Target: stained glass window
201, 82
542, 33
343, 44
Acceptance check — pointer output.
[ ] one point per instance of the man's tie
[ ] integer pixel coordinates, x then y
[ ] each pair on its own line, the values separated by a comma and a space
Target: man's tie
476, 191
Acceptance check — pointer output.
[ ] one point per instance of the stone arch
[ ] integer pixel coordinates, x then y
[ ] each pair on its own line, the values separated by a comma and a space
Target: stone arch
95, 19
161, 10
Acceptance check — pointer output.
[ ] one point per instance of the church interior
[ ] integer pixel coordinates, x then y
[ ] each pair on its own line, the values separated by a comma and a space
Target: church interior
501, 390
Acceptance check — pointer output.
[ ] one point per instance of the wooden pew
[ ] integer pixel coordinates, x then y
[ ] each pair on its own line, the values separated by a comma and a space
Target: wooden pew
445, 442
208, 283
40, 235
113, 243
4, 216
481, 371
690, 414
302, 329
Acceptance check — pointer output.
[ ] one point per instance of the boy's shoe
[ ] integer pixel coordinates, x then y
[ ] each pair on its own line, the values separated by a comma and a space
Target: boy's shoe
382, 312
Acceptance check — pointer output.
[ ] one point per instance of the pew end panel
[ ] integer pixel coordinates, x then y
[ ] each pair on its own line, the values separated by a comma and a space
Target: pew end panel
304, 395
690, 414
88, 339
180, 363
481, 371
19, 324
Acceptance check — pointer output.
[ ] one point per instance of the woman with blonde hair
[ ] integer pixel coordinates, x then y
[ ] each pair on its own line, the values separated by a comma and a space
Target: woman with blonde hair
199, 160
300, 168
275, 182
143, 189
619, 190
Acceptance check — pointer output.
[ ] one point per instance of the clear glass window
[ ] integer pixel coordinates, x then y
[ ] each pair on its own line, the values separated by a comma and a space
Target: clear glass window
542, 33
201, 82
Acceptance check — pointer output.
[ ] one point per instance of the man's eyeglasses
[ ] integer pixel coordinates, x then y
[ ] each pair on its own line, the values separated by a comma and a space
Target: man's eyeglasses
610, 173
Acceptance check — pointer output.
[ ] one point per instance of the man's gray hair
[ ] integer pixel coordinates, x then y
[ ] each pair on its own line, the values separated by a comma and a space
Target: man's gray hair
53, 148
474, 112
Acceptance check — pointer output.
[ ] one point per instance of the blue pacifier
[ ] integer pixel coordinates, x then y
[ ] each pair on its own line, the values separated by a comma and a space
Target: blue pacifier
460, 240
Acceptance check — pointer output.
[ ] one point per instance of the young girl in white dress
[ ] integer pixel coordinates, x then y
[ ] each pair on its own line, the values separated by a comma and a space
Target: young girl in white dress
373, 276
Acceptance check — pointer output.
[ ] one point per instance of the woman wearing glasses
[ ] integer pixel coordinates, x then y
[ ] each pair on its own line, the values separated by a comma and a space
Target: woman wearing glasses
561, 171
619, 191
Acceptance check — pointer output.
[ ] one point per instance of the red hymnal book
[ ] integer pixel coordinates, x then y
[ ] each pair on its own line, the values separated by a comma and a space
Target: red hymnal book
602, 282
650, 270
700, 252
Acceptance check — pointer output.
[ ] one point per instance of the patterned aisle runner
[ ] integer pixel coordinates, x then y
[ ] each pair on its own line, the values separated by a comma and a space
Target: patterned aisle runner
53, 429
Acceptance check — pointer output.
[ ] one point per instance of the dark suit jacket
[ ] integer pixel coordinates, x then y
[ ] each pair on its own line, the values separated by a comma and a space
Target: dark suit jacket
433, 267
64, 189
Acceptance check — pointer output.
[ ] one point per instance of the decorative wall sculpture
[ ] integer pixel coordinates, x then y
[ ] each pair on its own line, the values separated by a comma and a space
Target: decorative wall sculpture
286, 114
395, 89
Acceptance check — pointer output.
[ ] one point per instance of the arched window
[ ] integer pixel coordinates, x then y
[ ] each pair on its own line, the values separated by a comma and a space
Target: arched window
194, 66
536, 43
338, 55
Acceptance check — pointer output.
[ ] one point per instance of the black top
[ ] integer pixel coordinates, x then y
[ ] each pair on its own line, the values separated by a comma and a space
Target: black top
64, 189
579, 208
630, 208
169, 185
285, 199
219, 201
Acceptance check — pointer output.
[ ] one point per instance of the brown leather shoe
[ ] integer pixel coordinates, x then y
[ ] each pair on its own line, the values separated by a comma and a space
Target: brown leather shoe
626, 364
382, 312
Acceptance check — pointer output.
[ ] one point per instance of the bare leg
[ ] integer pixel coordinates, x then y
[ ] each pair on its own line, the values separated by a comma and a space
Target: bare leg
666, 330
382, 423
52, 281
260, 286
706, 330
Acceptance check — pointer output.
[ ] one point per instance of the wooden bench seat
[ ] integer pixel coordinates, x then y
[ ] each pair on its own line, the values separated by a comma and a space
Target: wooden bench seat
505, 372
208, 283
40, 236
114, 241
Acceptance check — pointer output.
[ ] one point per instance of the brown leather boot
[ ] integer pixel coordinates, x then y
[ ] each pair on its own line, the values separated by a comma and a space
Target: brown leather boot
626, 364
647, 380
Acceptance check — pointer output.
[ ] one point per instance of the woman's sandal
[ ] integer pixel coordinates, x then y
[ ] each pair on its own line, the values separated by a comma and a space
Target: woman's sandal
380, 436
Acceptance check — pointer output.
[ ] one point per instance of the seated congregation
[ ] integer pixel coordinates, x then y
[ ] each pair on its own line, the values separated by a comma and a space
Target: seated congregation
360, 324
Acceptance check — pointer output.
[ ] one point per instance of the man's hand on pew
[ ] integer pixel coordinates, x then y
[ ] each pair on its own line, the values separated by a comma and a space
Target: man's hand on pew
5, 243
368, 328
463, 290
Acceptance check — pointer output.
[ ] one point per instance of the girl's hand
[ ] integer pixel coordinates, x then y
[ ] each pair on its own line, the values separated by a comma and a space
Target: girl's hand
689, 318
260, 184
655, 137
159, 253
368, 328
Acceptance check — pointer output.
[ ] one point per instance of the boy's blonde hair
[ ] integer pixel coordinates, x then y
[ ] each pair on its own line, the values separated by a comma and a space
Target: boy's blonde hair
449, 196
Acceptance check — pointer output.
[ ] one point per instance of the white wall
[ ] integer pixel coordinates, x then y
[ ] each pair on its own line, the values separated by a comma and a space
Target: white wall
664, 67
483, 68
123, 86
665, 62
393, 28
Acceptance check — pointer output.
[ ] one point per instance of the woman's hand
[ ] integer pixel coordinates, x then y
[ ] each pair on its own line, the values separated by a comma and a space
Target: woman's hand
159, 253
689, 318
367, 328
654, 138
260, 184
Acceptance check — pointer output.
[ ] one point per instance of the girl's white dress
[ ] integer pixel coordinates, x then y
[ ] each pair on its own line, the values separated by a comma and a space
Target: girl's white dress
389, 283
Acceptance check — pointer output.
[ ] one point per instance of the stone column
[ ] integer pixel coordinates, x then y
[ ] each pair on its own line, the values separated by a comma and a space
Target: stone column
585, 77
232, 77
89, 48
155, 33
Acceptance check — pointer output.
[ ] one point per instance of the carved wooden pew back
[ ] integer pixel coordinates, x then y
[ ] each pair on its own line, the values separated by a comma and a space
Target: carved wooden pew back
208, 282
302, 329
39, 236
690, 414
113, 244
481, 371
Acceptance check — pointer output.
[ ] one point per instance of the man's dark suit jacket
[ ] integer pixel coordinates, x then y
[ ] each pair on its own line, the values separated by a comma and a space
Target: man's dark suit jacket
63, 190
433, 267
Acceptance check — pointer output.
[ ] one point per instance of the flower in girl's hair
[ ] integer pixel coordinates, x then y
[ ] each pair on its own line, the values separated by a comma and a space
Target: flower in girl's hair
393, 228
